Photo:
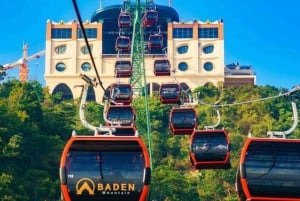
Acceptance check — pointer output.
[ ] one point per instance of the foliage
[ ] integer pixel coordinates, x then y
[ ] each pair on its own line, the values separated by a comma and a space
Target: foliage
35, 126
33, 134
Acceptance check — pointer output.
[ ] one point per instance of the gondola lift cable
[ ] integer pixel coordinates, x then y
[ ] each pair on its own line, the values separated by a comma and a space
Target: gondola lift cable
289, 93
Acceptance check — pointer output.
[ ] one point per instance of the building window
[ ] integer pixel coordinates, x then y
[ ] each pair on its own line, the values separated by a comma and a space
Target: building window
182, 33
182, 49
90, 33
208, 66
61, 33
60, 49
208, 49
86, 66
85, 50
60, 67
208, 33
182, 66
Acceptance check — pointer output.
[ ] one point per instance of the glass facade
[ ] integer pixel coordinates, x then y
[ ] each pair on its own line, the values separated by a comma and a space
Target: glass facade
61, 33
182, 32
208, 33
90, 33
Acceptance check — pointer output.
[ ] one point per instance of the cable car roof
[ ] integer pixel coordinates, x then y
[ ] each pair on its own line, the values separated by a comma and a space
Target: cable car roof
106, 143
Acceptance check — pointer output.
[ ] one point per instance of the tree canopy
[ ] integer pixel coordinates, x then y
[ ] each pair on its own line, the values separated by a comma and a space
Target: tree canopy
35, 126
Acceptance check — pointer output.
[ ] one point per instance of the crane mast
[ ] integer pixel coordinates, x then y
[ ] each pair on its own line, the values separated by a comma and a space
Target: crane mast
23, 71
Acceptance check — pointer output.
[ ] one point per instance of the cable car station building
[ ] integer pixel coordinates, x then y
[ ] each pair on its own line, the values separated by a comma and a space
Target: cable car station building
194, 51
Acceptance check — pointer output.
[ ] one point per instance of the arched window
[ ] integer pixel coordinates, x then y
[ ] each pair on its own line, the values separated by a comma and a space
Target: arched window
208, 49
208, 66
182, 66
60, 67
64, 90
182, 49
91, 94
60, 49
84, 49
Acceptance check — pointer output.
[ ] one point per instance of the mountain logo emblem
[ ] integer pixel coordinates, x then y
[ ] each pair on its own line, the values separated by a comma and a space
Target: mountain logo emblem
85, 184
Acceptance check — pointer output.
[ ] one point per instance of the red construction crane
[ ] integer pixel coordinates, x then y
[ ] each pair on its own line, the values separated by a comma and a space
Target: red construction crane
22, 62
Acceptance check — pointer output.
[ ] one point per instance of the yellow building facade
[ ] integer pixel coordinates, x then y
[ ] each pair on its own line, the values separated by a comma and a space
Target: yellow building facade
194, 49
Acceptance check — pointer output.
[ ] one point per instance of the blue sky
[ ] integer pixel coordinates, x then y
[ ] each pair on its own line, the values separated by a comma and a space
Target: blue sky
262, 33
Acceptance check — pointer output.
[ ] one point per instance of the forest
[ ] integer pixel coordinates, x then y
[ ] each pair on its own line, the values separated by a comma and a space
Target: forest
35, 126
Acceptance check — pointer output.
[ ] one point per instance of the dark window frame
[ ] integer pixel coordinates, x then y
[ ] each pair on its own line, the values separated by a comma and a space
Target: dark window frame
61, 33
182, 32
208, 33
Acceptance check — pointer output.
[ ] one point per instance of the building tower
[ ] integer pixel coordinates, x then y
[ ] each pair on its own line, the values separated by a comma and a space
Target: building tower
194, 49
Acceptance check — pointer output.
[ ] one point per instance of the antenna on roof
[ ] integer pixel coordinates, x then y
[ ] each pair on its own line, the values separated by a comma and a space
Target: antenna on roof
100, 4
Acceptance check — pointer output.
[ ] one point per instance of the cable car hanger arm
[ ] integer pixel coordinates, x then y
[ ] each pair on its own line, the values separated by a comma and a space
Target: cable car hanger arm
106, 105
294, 126
85, 123
218, 122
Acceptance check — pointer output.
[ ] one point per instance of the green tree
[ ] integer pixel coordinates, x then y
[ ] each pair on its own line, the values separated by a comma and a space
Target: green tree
35, 125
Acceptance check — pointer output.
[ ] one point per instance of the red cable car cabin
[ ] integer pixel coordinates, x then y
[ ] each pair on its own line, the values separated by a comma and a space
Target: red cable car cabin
121, 93
210, 149
124, 20
124, 130
122, 43
155, 41
105, 168
162, 67
149, 18
123, 69
183, 121
121, 131
269, 169
123, 115
169, 93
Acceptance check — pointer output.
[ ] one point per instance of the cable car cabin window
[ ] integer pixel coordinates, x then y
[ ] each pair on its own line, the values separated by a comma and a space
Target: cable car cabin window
123, 65
151, 15
182, 121
162, 67
124, 20
123, 131
150, 18
209, 147
122, 43
110, 175
155, 41
122, 93
272, 169
182, 118
123, 68
124, 115
170, 93
99, 165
